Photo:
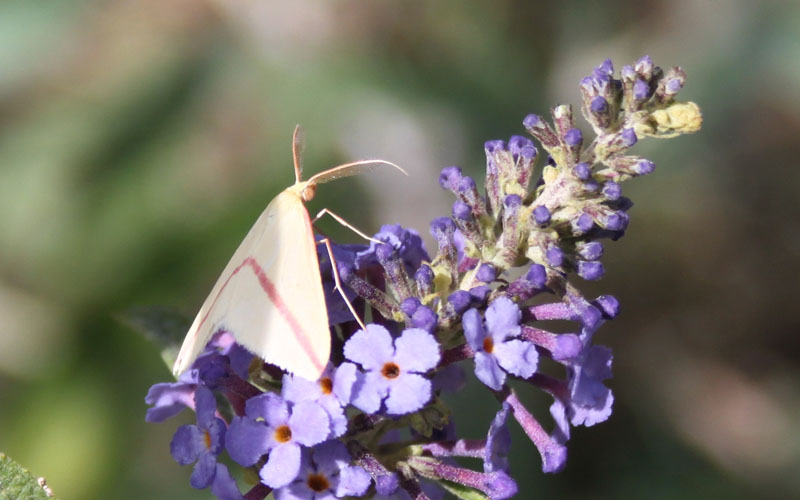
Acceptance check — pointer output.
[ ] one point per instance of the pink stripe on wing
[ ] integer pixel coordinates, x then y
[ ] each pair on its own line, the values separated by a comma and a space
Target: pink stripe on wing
280, 305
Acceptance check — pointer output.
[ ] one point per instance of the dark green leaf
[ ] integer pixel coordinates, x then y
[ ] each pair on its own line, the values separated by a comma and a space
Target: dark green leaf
16, 483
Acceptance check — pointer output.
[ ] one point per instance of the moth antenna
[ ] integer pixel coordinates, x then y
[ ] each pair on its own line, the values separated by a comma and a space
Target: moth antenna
298, 146
348, 169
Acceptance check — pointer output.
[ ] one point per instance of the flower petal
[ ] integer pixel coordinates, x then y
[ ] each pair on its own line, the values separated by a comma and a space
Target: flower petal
282, 465
297, 490
343, 381
353, 481
416, 351
502, 319
338, 419
309, 422
371, 348
498, 442
168, 400
488, 371
187, 444
473, 329
224, 486
594, 414
205, 406
408, 393
517, 357
204, 471
369, 391
247, 440
216, 436
559, 413
296, 389
269, 406
331, 457
499, 485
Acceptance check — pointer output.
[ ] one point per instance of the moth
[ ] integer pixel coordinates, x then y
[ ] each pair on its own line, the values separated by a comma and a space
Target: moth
270, 296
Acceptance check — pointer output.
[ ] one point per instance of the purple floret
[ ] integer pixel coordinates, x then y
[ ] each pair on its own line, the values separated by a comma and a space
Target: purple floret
393, 369
497, 349
272, 425
202, 443
406, 242
325, 473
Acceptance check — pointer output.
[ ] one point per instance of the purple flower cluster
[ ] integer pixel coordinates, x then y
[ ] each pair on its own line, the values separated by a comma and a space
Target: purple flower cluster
376, 423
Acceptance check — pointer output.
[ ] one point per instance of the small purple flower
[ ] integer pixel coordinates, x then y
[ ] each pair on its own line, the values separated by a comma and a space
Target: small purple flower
591, 401
497, 350
322, 391
220, 356
202, 443
280, 428
393, 368
406, 242
325, 473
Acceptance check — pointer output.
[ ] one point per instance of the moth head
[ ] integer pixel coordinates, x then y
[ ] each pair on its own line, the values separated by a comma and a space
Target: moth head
308, 191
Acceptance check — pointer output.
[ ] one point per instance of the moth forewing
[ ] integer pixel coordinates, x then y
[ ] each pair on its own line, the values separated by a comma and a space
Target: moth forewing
270, 295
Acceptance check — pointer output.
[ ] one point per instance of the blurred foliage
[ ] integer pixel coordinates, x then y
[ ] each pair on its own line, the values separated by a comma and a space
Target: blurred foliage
140, 139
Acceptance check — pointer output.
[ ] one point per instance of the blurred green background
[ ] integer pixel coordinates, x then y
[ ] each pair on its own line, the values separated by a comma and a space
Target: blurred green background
139, 140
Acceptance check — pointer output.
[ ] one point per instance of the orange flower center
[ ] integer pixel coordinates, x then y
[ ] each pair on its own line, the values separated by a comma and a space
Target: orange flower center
207, 438
283, 434
318, 483
326, 384
488, 345
390, 371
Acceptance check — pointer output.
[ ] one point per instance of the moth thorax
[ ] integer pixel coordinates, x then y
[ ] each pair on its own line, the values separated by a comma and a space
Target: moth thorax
308, 192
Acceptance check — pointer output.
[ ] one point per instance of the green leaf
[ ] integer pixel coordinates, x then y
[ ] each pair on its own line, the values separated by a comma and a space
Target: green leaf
16, 483
164, 326
461, 491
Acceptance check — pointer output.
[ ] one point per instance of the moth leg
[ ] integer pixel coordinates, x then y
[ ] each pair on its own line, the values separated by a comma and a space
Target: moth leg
339, 288
343, 222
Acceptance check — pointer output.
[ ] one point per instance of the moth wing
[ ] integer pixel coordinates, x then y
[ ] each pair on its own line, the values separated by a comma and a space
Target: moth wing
270, 295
